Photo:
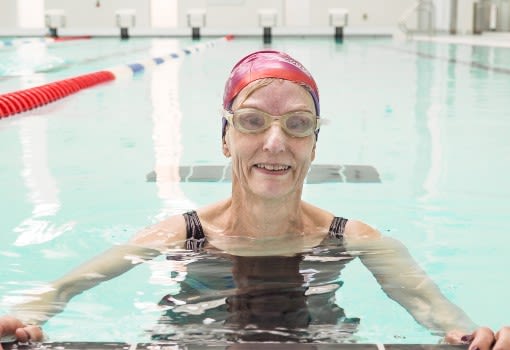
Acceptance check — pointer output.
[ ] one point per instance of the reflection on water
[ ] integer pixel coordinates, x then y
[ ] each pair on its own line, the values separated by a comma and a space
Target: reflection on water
258, 298
43, 190
213, 297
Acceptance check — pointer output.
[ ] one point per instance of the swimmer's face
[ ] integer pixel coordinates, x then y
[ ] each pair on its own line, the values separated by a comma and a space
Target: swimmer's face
271, 164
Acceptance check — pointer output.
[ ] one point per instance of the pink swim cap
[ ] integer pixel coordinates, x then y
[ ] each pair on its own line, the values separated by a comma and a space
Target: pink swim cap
268, 64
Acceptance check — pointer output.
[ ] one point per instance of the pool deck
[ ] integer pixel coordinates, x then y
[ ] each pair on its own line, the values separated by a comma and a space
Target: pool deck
488, 39
237, 346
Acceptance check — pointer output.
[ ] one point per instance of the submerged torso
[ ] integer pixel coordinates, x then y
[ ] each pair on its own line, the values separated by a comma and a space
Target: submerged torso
257, 298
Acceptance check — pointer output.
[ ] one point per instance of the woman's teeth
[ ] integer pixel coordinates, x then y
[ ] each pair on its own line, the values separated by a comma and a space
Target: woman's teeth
273, 167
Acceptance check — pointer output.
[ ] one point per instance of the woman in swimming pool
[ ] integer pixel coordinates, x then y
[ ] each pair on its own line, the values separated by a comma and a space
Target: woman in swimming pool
270, 130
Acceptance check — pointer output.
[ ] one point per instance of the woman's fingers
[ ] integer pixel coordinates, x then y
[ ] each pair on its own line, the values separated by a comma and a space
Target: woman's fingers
457, 337
31, 332
483, 338
10, 326
502, 339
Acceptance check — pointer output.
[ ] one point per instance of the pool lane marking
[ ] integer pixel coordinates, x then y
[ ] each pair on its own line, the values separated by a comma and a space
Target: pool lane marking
190, 174
342, 174
23, 100
317, 174
472, 64
224, 172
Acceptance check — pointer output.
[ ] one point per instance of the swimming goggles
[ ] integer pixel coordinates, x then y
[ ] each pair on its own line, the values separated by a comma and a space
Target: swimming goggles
253, 121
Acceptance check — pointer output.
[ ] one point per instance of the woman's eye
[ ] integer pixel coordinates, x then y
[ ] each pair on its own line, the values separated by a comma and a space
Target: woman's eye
253, 120
299, 122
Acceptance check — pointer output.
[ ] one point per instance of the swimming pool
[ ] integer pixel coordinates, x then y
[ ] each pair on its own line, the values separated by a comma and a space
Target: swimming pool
431, 119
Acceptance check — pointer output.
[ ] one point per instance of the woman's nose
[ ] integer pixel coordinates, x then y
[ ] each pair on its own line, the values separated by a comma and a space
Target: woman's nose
274, 139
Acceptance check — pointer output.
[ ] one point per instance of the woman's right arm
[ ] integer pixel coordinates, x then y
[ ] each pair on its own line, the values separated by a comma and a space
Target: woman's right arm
27, 316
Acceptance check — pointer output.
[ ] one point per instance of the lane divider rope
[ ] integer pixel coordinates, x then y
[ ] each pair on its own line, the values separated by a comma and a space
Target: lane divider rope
24, 100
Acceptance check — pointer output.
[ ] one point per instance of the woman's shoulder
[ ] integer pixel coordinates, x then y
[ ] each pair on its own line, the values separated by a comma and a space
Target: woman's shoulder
353, 230
317, 216
358, 230
168, 233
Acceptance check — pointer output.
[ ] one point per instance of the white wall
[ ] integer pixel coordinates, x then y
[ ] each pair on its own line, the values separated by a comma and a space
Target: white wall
442, 15
229, 14
465, 17
296, 13
29, 13
239, 14
8, 14
503, 15
362, 13
82, 16
86, 13
164, 13
169, 17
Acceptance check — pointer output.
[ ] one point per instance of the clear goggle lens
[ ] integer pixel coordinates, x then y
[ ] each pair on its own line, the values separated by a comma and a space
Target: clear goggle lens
251, 121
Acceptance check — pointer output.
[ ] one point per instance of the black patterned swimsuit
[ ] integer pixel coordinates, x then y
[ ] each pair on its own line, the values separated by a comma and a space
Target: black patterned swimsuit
270, 292
195, 237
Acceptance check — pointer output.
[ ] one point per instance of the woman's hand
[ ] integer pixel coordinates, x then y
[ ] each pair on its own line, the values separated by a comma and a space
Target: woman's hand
482, 338
12, 327
502, 339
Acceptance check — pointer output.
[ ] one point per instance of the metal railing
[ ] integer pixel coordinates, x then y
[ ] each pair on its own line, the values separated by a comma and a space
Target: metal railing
485, 16
424, 13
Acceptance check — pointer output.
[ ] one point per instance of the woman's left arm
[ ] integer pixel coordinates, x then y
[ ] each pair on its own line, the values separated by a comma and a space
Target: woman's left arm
405, 282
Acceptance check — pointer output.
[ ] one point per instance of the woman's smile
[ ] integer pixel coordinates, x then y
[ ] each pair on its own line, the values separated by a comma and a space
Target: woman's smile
272, 168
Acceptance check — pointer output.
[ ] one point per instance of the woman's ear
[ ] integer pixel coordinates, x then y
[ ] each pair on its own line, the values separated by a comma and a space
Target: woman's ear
224, 147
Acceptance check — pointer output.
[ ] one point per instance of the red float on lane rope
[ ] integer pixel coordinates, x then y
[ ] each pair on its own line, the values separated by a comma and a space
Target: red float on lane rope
24, 100
21, 101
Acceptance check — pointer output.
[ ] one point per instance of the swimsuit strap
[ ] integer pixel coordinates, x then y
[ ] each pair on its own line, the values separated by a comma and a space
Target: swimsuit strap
336, 230
195, 238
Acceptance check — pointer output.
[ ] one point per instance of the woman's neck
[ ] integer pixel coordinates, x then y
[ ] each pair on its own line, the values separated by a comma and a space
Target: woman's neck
262, 217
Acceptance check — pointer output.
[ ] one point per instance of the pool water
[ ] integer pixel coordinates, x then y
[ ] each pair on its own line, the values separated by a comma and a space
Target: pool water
432, 119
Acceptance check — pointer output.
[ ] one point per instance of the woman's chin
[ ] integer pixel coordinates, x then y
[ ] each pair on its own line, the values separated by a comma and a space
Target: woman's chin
271, 191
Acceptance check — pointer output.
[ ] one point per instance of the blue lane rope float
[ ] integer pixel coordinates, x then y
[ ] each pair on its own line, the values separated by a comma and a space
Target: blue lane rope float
24, 100
139, 67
